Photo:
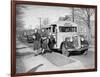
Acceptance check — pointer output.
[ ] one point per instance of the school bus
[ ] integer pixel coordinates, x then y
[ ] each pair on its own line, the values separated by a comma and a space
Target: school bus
67, 36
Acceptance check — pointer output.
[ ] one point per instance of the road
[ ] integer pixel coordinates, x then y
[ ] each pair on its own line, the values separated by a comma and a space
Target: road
27, 62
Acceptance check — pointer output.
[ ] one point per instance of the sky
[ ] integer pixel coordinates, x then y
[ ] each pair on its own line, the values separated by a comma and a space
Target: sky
33, 12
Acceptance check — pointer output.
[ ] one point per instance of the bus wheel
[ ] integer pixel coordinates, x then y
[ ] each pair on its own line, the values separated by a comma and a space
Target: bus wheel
61, 47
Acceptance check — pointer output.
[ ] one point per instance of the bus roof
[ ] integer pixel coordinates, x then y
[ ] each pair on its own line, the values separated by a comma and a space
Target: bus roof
65, 23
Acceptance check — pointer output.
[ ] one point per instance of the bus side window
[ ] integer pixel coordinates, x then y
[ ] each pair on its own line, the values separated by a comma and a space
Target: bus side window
75, 29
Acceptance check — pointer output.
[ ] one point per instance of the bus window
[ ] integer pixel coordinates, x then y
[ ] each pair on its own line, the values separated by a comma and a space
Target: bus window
67, 29
62, 29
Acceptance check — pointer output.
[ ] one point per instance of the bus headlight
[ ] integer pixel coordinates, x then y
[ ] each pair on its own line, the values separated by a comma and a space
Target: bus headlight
71, 39
82, 39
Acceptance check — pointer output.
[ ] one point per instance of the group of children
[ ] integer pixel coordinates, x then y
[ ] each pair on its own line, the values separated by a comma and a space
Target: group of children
43, 42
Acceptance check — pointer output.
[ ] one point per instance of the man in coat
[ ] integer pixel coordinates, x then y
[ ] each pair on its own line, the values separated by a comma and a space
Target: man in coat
37, 42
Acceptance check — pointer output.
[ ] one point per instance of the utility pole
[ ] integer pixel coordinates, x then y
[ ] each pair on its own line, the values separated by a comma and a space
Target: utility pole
73, 14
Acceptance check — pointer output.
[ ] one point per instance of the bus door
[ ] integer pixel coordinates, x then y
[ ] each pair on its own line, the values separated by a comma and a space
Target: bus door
54, 32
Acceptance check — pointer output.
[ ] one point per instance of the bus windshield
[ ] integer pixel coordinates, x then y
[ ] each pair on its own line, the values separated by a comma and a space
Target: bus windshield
67, 29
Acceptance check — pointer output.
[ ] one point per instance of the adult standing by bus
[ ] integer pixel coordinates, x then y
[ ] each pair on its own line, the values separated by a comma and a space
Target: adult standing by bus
37, 43
52, 42
44, 39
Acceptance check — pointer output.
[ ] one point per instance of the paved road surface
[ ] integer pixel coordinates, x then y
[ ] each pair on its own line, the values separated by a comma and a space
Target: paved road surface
26, 61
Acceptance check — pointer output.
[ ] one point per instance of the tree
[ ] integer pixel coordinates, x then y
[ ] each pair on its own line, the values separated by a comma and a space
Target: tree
83, 15
19, 18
